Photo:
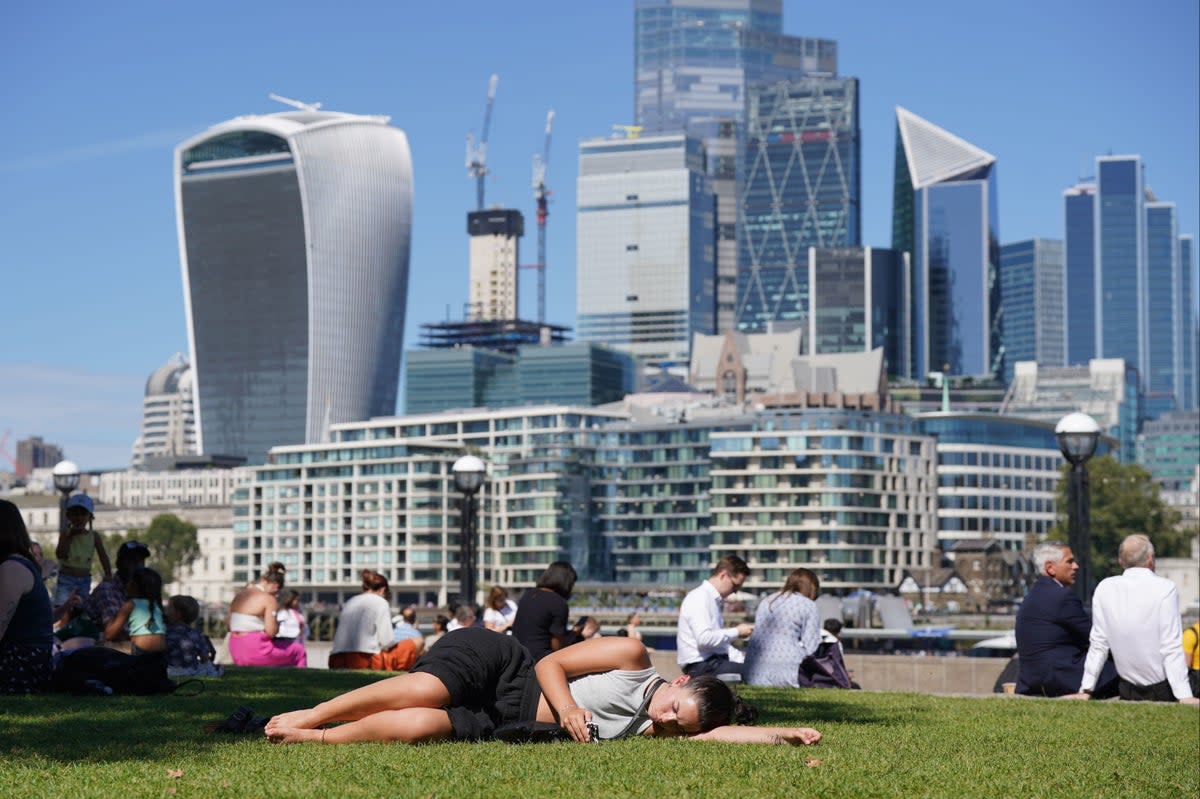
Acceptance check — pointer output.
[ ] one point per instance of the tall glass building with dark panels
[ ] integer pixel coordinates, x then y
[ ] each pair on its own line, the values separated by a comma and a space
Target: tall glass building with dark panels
693, 62
294, 234
1079, 257
945, 215
1031, 285
858, 303
1120, 263
1163, 373
1189, 330
800, 187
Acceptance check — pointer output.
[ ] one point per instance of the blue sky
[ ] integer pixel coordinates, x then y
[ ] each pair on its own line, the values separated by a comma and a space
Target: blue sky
97, 96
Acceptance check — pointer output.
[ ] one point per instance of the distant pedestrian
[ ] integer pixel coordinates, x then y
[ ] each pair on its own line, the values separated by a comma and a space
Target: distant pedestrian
499, 611
703, 643
364, 638
787, 629
77, 545
541, 623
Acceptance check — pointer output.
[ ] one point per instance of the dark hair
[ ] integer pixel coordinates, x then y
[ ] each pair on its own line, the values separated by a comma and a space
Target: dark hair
275, 573
496, 597
732, 564
186, 607
409, 614
14, 536
373, 581
288, 598
719, 704
560, 578
148, 584
801, 581
834, 626
440, 621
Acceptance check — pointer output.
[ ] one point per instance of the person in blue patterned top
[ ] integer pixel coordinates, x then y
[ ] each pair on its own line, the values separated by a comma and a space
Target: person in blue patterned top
787, 629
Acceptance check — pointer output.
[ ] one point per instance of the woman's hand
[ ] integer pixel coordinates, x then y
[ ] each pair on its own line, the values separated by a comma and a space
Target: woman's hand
796, 736
574, 720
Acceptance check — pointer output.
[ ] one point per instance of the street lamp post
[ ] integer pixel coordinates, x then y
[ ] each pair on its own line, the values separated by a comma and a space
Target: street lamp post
1077, 435
66, 480
468, 472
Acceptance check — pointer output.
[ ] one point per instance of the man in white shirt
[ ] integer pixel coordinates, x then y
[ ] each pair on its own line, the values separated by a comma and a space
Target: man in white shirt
1136, 617
703, 641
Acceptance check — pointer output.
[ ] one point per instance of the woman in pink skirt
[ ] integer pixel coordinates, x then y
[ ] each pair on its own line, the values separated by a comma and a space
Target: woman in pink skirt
253, 624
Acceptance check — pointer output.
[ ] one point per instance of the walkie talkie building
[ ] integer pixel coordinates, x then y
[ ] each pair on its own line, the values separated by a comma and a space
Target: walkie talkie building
294, 233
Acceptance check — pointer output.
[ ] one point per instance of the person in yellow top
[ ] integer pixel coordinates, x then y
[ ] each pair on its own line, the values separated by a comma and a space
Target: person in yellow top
75, 549
1191, 653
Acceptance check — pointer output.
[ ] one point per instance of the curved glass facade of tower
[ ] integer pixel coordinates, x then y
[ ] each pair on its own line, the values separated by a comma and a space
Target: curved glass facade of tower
294, 233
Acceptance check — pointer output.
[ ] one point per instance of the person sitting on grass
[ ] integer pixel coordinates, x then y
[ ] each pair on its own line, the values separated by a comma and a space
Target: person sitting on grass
189, 652
253, 622
364, 638
26, 654
473, 681
141, 617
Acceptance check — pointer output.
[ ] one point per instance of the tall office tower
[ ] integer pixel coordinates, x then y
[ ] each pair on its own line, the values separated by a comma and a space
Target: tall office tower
495, 260
1079, 258
693, 61
168, 415
858, 303
294, 236
800, 186
1120, 263
944, 214
644, 246
1189, 329
34, 453
1163, 374
1031, 288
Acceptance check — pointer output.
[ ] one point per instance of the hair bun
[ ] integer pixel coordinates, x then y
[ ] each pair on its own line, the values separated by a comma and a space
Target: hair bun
743, 711
276, 566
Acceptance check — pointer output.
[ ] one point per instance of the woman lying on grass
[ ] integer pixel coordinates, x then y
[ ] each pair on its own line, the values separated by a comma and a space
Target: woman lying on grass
473, 681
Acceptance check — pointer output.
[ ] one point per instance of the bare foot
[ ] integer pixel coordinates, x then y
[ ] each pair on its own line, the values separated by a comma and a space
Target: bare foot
294, 720
292, 735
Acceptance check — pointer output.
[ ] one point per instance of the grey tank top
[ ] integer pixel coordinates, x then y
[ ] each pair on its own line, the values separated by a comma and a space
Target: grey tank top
613, 697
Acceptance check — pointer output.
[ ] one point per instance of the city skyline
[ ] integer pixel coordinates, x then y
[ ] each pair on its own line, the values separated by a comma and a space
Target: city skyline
91, 269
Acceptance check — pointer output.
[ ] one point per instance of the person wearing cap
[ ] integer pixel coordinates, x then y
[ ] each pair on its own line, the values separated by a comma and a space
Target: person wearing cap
76, 546
105, 602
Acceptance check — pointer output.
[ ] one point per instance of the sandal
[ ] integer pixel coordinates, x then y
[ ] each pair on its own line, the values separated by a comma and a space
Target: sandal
242, 721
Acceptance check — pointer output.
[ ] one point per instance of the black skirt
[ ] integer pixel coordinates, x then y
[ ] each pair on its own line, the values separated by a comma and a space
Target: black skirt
489, 677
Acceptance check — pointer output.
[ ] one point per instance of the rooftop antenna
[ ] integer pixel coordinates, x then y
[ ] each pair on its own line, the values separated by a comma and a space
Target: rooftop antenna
477, 154
299, 106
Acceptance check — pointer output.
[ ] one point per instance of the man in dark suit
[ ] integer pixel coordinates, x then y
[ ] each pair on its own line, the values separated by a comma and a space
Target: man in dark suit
1053, 629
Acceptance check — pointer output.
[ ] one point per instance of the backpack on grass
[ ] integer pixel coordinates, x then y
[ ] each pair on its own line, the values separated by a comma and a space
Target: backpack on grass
93, 669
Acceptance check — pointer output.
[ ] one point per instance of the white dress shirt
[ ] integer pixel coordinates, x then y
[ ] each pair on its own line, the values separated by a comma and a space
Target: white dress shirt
701, 628
1136, 617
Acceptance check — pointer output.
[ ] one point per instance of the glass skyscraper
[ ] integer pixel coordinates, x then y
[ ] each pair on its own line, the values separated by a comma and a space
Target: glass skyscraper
1120, 236
1189, 330
944, 214
1163, 373
1079, 258
800, 187
645, 246
693, 63
1031, 287
858, 303
294, 234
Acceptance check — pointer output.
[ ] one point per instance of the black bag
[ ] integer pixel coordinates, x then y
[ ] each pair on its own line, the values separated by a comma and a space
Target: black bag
824, 668
93, 669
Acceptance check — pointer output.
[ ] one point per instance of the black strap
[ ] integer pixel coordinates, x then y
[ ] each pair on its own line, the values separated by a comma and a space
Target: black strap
640, 716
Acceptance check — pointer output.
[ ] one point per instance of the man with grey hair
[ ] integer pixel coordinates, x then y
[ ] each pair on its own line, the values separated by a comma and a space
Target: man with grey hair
1136, 617
1053, 629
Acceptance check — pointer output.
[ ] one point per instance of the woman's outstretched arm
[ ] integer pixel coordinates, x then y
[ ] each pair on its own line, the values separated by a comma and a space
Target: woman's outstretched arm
588, 657
795, 736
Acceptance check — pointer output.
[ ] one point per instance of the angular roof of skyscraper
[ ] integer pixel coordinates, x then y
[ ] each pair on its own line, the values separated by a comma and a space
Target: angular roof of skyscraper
935, 155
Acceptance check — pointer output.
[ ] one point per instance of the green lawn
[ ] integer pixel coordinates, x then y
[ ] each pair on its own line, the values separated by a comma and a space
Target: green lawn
875, 745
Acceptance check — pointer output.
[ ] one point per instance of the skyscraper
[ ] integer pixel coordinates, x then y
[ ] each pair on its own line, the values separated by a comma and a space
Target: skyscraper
1163, 372
693, 63
800, 184
294, 234
1079, 258
1031, 288
1189, 330
858, 303
644, 245
495, 252
1120, 236
944, 213
168, 413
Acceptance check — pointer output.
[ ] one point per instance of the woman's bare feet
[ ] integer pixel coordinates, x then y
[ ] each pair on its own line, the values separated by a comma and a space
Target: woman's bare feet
295, 720
292, 735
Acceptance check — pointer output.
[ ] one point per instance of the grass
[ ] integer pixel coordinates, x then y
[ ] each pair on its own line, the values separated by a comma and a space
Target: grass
875, 744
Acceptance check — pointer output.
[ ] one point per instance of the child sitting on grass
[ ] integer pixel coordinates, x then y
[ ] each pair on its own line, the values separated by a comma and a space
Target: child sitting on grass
142, 614
189, 652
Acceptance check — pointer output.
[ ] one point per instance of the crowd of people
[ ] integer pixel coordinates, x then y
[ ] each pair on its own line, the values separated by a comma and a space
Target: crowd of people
483, 669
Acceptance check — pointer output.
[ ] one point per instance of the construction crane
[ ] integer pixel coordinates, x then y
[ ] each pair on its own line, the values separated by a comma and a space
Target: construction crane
477, 154
299, 106
541, 195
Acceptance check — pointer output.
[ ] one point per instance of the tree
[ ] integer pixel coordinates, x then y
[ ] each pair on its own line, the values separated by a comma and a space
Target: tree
172, 542
1124, 500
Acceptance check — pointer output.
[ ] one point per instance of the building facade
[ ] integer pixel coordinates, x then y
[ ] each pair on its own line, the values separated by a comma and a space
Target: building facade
694, 61
1032, 288
1164, 361
857, 303
1189, 325
34, 453
495, 262
1079, 260
945, 215
168, 413
800, 185
645, 277
294, 234
1169, 448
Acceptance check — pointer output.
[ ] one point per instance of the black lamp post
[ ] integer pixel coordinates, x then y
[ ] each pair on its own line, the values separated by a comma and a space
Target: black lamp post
468, 472
66, 480
1077, 435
